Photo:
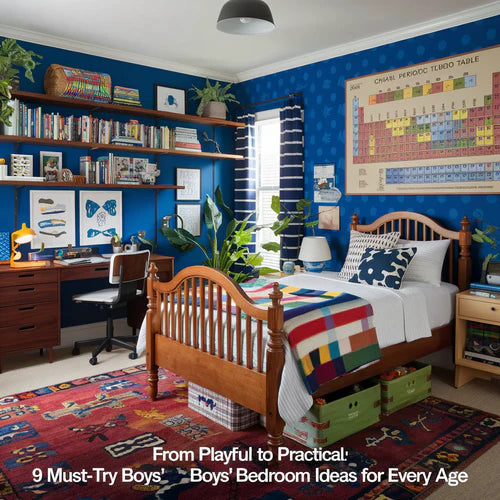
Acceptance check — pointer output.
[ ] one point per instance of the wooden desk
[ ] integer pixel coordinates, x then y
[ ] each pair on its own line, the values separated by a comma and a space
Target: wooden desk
30, 302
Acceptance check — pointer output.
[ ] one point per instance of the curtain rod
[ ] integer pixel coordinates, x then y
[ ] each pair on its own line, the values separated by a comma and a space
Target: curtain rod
288, 96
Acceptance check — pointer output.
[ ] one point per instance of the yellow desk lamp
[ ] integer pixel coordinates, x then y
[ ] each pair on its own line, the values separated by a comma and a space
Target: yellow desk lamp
18, 238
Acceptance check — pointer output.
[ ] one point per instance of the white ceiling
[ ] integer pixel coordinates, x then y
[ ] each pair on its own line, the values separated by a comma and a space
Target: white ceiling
181, 35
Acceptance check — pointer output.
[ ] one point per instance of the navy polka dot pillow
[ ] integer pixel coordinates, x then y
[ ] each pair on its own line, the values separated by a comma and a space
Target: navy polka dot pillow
384, 267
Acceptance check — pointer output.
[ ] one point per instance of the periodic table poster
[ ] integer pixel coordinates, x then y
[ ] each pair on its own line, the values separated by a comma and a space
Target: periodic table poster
428, 128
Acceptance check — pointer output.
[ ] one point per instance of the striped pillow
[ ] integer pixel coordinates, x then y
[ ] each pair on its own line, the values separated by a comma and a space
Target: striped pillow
358, 243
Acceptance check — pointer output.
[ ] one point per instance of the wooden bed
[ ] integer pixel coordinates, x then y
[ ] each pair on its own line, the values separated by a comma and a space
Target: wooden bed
179, 343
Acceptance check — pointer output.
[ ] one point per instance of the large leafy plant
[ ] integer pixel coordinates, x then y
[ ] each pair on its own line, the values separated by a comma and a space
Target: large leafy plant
11, 55
225, 250
485, 237
216, 92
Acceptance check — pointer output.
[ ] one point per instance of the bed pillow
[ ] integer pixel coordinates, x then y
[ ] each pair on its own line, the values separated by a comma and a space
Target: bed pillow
385, 267
358, 243
428, 262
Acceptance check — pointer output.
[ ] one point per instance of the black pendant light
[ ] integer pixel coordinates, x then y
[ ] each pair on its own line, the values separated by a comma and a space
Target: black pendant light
245, 17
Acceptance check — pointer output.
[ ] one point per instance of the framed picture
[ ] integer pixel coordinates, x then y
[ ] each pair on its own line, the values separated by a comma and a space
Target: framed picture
191, 217
50, 165
329, 218
100, 216
52, 217
21, 165
190, 178
170, 99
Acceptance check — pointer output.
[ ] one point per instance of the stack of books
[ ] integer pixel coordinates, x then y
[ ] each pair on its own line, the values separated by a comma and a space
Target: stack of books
124, 95
485, 290
88, 169
186, 139
483, 343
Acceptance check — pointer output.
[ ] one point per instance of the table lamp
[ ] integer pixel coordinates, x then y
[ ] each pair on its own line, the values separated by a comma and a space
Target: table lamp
18, 238
314, 253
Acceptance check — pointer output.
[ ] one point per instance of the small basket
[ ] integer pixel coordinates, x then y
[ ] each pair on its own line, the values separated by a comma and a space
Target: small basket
78, 179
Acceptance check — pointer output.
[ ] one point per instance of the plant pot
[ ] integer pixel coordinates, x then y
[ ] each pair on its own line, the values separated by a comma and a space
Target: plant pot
215, 109
288, 267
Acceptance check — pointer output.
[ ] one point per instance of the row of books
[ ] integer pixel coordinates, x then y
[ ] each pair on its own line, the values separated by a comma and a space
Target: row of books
111, 169
482, 343
28, 122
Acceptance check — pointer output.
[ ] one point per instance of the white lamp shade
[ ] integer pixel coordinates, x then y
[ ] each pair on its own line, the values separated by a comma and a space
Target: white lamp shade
314, 249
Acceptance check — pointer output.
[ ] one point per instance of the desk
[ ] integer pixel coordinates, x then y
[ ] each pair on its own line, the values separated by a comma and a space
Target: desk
30, 302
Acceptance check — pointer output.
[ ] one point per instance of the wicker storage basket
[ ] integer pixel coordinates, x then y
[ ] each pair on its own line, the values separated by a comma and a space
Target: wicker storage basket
77, 83
78, 179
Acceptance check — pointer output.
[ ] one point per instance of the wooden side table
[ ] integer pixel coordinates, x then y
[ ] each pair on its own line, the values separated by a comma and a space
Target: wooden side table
482, 310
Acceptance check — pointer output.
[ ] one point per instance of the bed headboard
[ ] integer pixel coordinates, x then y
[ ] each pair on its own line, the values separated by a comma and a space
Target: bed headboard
414, 226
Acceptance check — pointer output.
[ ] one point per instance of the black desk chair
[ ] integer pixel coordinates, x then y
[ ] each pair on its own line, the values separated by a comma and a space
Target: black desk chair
129, 272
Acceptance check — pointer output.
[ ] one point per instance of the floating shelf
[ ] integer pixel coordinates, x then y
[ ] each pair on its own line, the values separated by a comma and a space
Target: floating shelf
157, 187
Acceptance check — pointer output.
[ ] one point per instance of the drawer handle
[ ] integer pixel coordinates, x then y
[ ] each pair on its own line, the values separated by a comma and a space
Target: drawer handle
493, 308
97, 269
27, 289
27, 308
24, 328
30, 275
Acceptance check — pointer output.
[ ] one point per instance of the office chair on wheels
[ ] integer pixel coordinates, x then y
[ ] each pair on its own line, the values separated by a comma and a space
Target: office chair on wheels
129, 272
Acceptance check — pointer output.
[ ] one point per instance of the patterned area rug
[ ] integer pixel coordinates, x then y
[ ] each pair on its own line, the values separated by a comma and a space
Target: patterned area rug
95, 438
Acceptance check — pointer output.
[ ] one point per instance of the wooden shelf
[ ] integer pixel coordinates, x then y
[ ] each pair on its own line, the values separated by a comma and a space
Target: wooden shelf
116, 108
88, 186
477, 365
17, 139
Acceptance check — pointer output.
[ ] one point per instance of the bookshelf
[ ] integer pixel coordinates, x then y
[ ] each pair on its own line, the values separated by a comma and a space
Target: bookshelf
158, 187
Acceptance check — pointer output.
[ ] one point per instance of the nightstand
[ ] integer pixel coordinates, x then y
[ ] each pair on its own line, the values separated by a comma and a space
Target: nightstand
478, 309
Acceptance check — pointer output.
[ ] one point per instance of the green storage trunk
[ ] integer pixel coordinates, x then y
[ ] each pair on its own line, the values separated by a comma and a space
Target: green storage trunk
407, 389
345, 413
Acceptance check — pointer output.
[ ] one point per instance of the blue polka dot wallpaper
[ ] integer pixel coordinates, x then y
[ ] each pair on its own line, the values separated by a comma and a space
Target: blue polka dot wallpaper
322, 87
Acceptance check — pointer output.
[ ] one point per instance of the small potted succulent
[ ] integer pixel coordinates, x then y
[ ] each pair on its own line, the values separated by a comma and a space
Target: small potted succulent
213, 99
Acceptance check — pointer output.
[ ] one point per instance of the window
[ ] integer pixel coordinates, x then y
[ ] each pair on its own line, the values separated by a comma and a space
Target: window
267, 145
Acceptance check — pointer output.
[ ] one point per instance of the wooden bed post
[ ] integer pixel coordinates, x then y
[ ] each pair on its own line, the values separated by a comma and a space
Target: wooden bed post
151, 330
275, 359
355, 221
464, 259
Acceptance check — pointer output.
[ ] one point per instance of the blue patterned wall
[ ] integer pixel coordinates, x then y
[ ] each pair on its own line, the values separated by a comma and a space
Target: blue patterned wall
322, 85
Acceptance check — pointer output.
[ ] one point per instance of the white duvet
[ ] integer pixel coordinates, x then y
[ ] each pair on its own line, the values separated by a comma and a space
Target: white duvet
400, 315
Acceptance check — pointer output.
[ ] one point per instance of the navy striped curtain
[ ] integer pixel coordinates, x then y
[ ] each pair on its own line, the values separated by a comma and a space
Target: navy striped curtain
245, 185
291, 173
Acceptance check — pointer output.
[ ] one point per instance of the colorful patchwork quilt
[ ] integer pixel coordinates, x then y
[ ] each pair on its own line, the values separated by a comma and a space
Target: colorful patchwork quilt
330, 333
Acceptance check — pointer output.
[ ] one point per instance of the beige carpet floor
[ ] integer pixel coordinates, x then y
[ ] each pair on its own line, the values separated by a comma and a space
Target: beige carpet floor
22, 372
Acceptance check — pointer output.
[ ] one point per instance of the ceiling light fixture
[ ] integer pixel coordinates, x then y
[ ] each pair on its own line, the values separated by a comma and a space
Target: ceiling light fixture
245, 17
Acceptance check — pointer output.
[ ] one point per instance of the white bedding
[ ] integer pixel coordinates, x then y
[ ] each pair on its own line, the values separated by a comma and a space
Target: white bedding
400, 315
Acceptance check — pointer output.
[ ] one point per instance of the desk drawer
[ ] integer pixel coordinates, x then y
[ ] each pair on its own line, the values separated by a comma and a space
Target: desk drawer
84, 272
29, 336
479, 310
28, 294
29, 276
26, 314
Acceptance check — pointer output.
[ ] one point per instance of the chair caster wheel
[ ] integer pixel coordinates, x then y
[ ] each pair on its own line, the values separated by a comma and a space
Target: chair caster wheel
108, 349
132, 355
75, 351
93, 360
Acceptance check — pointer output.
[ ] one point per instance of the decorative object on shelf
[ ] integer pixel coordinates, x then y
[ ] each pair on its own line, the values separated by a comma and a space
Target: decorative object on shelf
190, 178
100, 216
11, 55
116, 243
126, 96
4, 247
190, 215
18, 238
324, 184
329, 218
213, 99
314, 253
245, 17
52, 214
485, 237
77, 83
170, 99
3, 168
207, 139
78, 179
50, 165
66, 175
288, 267
21, 165
150, 174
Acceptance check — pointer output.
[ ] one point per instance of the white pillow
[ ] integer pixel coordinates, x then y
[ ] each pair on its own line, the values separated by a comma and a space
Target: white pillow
427, 265
358, 243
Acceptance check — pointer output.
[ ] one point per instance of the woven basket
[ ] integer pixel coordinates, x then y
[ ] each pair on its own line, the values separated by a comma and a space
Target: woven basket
76, 83
78, 179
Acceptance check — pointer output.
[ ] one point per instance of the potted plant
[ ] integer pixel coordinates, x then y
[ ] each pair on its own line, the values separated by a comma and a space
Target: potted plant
11, 55
213, 99
485, 237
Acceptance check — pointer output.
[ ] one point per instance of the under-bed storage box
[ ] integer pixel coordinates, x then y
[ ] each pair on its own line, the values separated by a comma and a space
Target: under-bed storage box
407, 389
220, 409
344, 413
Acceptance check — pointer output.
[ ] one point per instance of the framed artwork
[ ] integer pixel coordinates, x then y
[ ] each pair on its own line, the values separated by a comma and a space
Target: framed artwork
170, 99
191, 217
324, 184
52, 217
21, 165
50, 165
100, 216
329, 218
190, 178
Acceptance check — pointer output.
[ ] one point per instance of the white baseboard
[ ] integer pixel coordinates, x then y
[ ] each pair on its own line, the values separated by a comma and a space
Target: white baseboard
92, 330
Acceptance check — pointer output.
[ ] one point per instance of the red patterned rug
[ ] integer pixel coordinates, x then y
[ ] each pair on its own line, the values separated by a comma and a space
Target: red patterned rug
94, 438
